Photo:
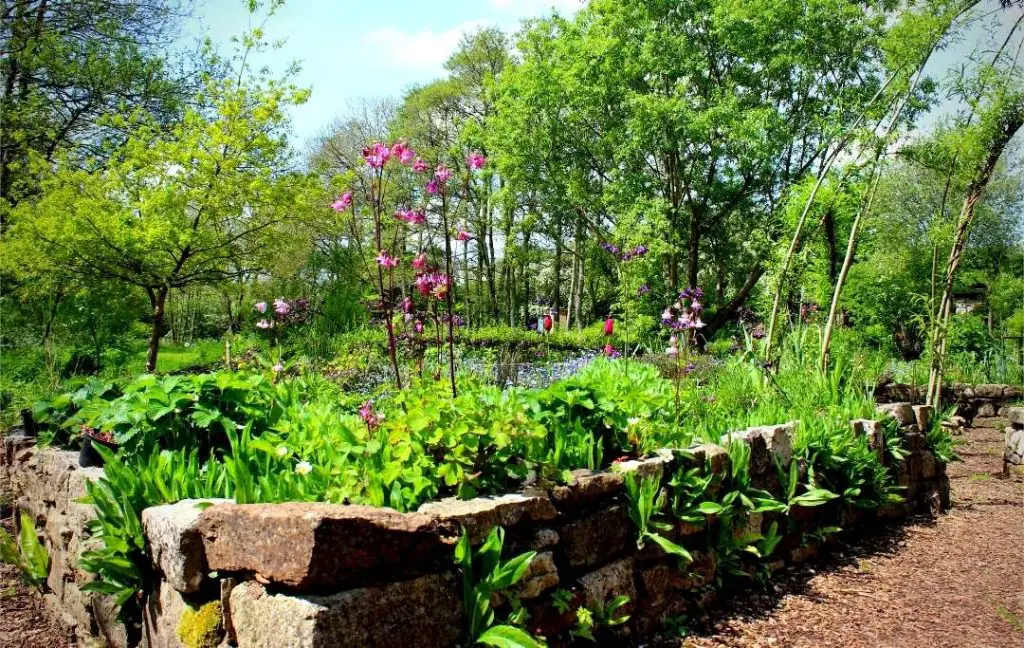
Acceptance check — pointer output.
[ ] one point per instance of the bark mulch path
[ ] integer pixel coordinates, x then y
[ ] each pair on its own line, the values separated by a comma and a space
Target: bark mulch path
955, 581
24, 619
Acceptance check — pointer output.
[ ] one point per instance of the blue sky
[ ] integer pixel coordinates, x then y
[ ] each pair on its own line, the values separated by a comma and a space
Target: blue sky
353, 49
356, 49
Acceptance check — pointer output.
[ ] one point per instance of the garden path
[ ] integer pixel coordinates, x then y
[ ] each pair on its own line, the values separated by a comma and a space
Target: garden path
957, 581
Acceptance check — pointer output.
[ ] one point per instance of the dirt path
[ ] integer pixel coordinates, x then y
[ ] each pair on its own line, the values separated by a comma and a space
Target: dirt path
24, 622
957, 581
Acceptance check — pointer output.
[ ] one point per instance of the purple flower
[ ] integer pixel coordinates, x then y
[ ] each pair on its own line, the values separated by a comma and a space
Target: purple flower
476, 160
281, 307
420, 165
278, 367
261, 307
432, 187
758, 332
442, 173
610, 248
643, 290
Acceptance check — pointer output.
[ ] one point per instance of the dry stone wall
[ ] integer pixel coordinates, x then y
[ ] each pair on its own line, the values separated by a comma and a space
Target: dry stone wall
310, 575
977, 405
47, 483
1013, 455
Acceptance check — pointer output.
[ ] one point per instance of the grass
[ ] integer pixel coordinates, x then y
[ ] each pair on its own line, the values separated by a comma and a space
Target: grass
1015, 620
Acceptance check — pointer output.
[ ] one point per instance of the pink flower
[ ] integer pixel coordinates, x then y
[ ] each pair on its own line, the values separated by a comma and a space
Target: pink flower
423, 284
412, 216
463, 235
672, 350
418, 326
343, 202
442, 173
278, 367
609, 326
384, 259
420, 261
610, 351
377, 155
261, 307
281, 307
420, 165
406, 304
369, 417
476, 160
432, 187
264, 324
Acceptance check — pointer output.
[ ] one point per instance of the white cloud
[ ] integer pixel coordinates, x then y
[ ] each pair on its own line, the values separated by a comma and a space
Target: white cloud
422, 49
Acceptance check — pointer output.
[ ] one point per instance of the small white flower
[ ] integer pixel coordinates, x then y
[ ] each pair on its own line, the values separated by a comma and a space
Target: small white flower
282, 451
633, 421
278, 368
303, 468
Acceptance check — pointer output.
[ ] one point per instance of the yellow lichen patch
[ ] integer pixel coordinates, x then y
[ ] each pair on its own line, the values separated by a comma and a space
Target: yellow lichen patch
201, 628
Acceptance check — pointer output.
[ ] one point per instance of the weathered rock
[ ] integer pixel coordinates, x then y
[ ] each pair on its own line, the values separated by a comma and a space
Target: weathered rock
1013, 453
987, 410
649, 467
598, 538
923, 416
988, 391
481, 514
541, 576
902, 412
661, 581
175, 543
421, 613
915, 441
874, 432
1015, 415
587, 489
161, 617
323, 546
768, 445
708, 454
928, 464
599, 587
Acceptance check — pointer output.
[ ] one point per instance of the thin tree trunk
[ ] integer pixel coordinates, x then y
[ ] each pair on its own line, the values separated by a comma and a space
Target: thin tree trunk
1011, 119
158, 300
851, 248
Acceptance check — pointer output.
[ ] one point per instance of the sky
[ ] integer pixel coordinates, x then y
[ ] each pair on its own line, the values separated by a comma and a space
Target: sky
350, 50
354, 49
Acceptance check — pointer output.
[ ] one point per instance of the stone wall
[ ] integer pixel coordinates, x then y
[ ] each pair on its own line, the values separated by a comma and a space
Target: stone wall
978, 405
48, 483
317, 575
1013, 455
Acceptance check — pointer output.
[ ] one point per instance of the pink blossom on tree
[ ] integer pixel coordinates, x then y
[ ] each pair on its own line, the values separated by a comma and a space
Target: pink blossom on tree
476, 160
343, 202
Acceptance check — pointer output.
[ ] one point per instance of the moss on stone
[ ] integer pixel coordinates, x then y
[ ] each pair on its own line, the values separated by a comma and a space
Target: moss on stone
201, 628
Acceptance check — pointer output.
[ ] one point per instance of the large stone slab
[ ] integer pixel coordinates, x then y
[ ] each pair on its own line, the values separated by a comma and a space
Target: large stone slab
902, 412
769, 445
599, 587
421, 613
481, 514
306, 546
598, 538
175, 543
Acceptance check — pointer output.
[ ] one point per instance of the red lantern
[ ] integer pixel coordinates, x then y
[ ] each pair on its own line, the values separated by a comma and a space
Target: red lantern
547, 323
609, 326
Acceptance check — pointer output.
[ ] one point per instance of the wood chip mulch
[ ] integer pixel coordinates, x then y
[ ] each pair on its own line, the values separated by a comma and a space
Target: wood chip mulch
956, 581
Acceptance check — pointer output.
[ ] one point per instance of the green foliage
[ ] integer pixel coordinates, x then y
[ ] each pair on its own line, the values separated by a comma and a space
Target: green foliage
27, 554
484, 573
646, 500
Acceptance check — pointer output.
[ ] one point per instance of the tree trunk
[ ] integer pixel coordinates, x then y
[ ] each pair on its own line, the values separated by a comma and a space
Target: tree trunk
1010, 120
830, 243
158, 300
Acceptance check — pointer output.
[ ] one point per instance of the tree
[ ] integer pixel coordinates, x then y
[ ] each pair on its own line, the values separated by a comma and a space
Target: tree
67, 63
199, 202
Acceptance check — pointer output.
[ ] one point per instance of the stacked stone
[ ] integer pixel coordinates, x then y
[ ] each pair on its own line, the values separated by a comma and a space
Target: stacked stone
48, 484
920, 473
309, 574
1013, 455
984, 405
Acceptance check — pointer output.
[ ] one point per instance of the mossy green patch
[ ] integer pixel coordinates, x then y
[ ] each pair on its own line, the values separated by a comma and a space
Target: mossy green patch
201, 628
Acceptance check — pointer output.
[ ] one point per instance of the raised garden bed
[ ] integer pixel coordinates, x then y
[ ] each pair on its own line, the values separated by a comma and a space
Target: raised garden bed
310, 574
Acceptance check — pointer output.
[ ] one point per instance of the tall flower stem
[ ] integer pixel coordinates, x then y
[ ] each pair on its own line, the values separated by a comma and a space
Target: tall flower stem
385, 298
451, 287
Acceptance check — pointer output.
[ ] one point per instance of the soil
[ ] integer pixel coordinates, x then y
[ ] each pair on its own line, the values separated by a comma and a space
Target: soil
955, 581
